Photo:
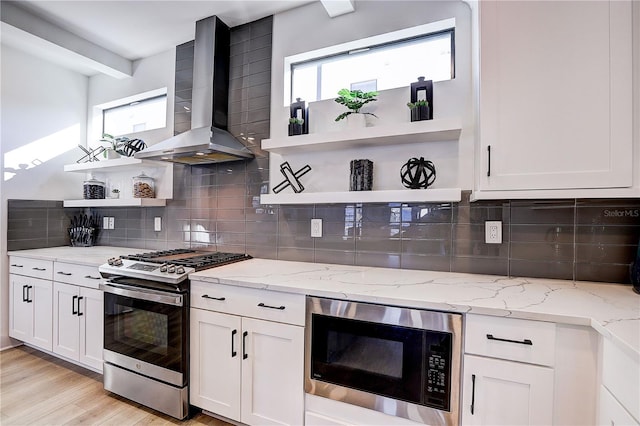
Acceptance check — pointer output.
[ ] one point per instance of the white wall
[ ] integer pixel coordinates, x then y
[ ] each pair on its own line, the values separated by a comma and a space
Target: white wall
43, 119
154, 72
308, 28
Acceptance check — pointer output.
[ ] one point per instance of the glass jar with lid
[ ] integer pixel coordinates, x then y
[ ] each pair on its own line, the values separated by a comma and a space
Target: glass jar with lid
143, 186
93, 189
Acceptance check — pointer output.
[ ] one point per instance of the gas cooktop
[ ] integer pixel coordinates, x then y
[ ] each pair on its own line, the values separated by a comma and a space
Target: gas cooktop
168, 266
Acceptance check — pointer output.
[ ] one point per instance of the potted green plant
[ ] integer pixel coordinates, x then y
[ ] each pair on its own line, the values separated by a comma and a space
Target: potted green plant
295, 126
419, 110
115, 148
354, 100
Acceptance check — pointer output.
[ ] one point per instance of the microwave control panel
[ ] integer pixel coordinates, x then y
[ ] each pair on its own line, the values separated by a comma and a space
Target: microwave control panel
437, 370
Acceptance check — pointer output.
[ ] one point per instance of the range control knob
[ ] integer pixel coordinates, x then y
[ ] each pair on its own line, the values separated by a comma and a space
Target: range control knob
163, 267
172, 269
180, 270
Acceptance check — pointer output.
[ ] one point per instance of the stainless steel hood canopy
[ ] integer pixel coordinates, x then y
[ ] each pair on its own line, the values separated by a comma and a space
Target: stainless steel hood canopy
208, 141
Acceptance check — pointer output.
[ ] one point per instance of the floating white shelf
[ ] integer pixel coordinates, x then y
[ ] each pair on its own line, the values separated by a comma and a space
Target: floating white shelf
442, 129
385, 196
117, 202
115, 165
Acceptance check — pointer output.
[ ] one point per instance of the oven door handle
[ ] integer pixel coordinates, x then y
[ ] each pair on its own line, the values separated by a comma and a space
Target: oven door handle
142, 294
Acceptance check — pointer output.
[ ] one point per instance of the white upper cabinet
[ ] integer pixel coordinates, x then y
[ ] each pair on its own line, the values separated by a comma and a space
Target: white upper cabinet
555, 98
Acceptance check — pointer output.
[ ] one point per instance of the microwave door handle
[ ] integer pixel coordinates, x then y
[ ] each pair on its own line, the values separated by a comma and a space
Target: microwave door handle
142, 294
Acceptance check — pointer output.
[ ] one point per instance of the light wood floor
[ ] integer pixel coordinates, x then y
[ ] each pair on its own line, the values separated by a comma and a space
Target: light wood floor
38, 389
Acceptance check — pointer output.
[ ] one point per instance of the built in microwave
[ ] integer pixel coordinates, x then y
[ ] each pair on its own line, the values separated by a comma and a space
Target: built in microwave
400, 361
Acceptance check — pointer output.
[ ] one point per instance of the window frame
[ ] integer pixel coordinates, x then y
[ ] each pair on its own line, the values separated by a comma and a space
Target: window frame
381, 40
125, 104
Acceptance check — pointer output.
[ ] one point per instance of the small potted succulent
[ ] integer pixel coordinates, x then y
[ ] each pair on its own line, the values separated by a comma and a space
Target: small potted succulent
419, 110
295, 126
354, 100
115, 193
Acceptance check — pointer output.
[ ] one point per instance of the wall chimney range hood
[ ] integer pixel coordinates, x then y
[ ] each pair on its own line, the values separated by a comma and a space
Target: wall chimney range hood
208, 141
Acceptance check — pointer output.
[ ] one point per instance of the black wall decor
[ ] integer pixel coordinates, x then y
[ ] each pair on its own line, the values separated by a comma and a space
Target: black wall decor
361, 175
298, 118
418, 173
422, 90
291, 178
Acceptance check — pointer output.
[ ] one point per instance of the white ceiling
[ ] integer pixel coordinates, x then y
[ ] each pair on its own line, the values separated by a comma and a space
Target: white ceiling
138, 29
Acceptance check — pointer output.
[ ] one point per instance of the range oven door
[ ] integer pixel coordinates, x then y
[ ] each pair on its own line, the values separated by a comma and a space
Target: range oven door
400, 361
146, 331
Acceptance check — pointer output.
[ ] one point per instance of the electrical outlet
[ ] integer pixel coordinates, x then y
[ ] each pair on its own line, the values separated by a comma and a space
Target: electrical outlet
157, 224
316, 228
112, 223
493, 232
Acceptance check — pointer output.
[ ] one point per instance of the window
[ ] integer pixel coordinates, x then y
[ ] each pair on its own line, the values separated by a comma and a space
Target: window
378, 63
137, 116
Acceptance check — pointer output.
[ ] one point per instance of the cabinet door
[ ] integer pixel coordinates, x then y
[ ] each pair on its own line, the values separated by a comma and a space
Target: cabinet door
272, 373
497, 392
21, 312
66, 323
215, 355
42, 298
91, 314
555, 104
611, 413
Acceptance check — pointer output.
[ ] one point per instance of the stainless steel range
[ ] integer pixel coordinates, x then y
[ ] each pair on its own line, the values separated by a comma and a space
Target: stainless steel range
146, 325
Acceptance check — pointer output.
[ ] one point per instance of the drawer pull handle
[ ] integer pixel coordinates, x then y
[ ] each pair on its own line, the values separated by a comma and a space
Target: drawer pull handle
206, 296
15, 265
473, 393
244, 345
521, 342
65, 273
262, 305
79, 299
25, 294
39, 269
73, 305
488, 160
91, 278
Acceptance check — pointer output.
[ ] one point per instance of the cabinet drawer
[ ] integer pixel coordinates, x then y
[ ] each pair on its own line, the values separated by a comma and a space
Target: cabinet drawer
37, 268
264, 304
82, 275
620, 375
510, 338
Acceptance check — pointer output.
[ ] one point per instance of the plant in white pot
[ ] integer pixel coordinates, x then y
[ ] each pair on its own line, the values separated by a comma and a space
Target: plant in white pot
354, 100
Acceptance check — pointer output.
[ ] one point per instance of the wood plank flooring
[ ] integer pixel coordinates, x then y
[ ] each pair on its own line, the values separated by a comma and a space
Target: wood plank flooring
39, 389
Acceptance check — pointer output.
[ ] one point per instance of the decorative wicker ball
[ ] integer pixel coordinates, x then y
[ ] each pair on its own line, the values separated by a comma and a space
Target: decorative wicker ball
132, 146
418, 173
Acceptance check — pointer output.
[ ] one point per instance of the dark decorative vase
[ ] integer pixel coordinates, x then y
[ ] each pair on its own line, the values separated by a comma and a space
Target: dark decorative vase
422, 90
299, 110
421, 112
361, 175
634, 272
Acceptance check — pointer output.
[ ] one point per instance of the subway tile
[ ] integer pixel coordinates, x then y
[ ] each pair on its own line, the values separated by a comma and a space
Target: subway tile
422, 262
296, 213
613, 214
261, 42
603, 272
476, 248
542, 233
541, 269
230, 214
339, 257
269, 241
480, 265
335, 243
295, 254
607, 234
380, 245
237, 227
427, 247
261, 251
605, 253
262, 214
228, 238
261, 27
267, 227
427, 213
542, 251
561, 212
383, 260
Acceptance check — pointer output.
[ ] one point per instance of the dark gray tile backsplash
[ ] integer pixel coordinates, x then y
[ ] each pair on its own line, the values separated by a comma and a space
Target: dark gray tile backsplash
217, 207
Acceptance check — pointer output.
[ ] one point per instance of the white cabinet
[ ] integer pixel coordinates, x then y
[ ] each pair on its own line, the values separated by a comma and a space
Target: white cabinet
78, 324
78, 314
30, 293
620, 391
30, 310
117, 173
555, 106
248, 369
498, 392
501, 386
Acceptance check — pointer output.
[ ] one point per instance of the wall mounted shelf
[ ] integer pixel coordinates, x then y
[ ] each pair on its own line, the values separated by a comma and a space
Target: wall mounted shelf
384, 196
118, 174
442, 129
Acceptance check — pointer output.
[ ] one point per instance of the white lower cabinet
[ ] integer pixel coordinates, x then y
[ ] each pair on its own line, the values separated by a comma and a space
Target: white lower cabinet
498, 392
30, 310
612, 413
246, 369
620, 389
78, 323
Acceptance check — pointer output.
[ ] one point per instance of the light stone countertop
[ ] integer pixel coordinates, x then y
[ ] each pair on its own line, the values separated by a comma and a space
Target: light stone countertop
611, 309
89, 256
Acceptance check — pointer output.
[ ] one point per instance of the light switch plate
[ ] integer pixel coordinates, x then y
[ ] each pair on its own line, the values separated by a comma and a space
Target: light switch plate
105, 222
112, 223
